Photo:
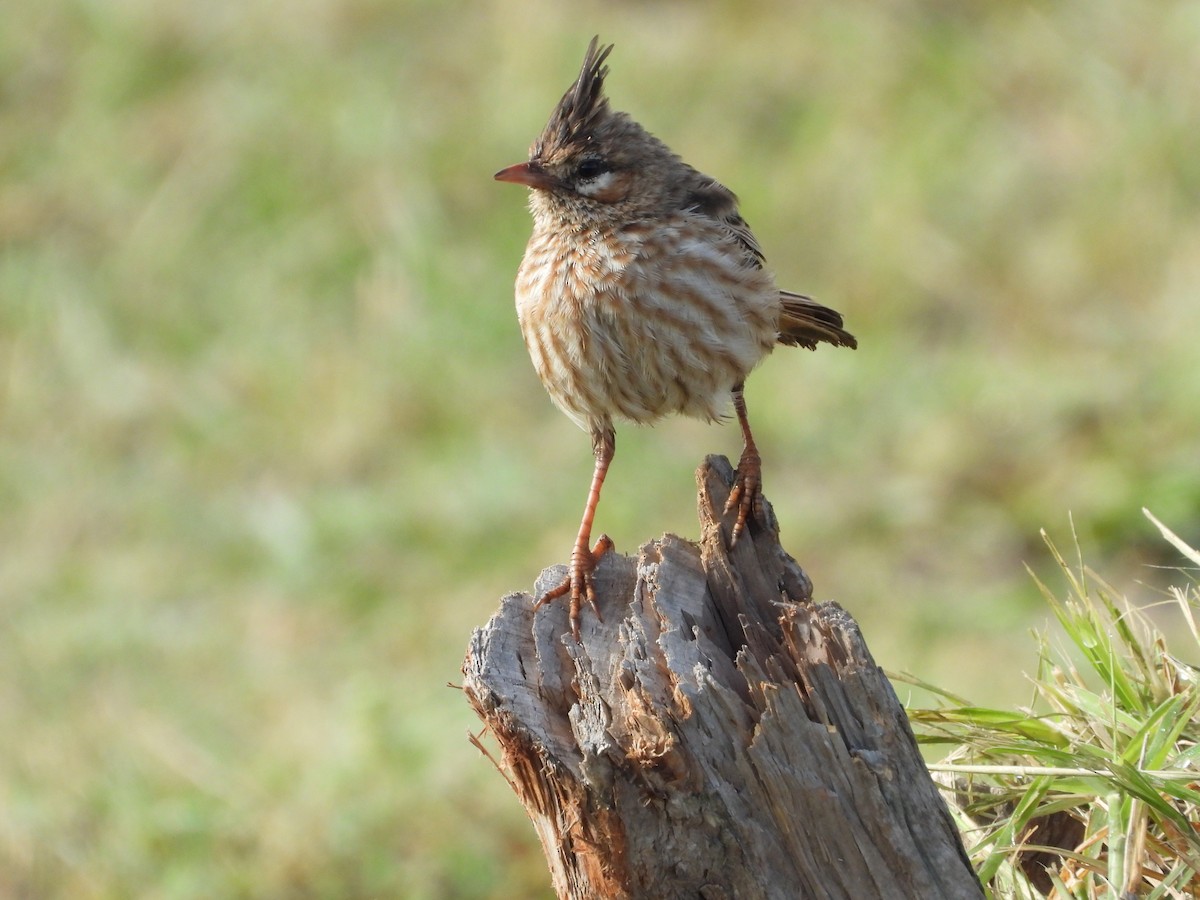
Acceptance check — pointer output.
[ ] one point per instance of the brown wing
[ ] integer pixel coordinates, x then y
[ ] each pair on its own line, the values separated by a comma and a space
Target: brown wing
718, 202
802, 321
805, 323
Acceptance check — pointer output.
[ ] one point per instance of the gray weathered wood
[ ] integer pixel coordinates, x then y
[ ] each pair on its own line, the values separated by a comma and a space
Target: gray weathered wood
717, 735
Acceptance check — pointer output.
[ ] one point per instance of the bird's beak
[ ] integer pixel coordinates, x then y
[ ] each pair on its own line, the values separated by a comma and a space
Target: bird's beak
531, 174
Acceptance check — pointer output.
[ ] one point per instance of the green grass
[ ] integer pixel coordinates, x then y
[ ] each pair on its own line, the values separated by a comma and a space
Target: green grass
270, 444
1097, 773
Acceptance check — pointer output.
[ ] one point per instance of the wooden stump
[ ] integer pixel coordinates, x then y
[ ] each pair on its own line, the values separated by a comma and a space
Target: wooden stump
718, 735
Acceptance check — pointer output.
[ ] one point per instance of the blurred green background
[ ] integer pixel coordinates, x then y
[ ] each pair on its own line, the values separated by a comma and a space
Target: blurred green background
270, 443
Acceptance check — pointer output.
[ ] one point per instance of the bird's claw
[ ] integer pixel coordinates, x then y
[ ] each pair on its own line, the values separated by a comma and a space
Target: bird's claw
746, 495
580, 582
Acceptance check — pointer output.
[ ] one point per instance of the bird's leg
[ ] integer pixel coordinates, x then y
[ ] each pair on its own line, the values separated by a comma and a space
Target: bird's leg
746, 494
579, 581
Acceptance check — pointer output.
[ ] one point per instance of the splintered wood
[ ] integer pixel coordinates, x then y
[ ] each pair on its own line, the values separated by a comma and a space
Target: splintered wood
717, 735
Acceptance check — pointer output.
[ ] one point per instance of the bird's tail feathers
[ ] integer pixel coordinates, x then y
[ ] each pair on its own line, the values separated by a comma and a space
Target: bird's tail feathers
805, 323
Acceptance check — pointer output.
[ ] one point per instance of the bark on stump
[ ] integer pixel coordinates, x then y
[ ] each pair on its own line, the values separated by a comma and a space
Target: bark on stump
718, 735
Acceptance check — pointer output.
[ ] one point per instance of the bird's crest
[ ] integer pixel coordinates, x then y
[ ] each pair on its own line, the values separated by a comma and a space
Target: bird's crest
581, 108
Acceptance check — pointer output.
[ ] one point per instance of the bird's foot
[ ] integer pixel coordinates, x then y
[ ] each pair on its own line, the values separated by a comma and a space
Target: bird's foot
746, 495
580, 581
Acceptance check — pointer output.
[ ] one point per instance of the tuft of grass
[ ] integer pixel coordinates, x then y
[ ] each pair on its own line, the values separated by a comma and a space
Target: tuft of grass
1092, 789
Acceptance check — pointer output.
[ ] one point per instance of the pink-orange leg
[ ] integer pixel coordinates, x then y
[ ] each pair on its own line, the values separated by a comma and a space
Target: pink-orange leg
746, 494
580, 580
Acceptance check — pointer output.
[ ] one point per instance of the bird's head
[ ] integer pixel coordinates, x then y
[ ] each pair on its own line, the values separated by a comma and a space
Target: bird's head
590, 160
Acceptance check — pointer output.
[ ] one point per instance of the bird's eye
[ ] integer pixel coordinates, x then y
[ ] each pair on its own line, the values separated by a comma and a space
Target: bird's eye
592, 167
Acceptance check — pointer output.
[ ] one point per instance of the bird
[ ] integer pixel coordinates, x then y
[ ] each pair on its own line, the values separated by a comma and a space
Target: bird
642, 293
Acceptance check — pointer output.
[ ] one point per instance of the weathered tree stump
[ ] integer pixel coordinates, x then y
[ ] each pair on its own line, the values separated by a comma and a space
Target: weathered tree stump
717, 735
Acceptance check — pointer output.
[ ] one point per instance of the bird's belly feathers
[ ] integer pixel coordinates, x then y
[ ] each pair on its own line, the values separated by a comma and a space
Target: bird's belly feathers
625, 326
